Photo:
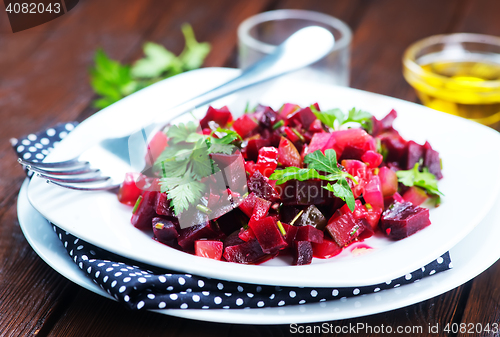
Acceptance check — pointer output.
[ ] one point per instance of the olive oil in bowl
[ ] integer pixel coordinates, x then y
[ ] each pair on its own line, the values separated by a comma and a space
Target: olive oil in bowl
454, 79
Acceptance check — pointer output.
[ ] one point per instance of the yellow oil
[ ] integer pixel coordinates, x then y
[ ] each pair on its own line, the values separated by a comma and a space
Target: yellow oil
469, 89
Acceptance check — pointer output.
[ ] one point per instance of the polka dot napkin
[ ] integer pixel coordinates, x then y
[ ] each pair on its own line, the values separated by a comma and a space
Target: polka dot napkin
140, 286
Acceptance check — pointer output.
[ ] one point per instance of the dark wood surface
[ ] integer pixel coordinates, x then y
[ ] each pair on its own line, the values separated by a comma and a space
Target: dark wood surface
44, 80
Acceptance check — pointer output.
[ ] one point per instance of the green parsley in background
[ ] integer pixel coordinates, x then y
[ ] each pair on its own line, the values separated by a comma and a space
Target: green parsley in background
112, 80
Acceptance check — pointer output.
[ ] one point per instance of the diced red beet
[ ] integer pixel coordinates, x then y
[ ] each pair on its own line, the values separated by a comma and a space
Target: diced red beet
291, 233
269, 236
373, 193
302, 253
129, 192
356, 137
361, 212
260, 209
211, 249
326, 249
155, 147
291, 135
165, 231
267, 116
262, 188
388, 181
288, 108
372, 158
288, 154
145, 212
415, 195
162, 205
244, 125
401, 220
221, 116
432, 161
344, 228
232, 221
304, 117
360, 172
267, 160
146, 183
352, 152
251, 150
246, 234
389, 200
414, 152
318, 141
287, 213
187, 236
233, 239
248, 252
248, 204
394, 144
309, 233
308, 192
312, 216
316, 126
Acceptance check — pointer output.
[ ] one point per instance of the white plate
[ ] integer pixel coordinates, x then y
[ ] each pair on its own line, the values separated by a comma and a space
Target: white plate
470, 257
471, 185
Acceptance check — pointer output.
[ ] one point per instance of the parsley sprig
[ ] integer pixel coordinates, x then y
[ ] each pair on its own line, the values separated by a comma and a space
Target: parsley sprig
186, 161
317, 163
424, 179
334, 118
112, 80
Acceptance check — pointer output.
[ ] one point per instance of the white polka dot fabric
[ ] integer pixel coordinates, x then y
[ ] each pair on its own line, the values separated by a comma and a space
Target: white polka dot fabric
141, 287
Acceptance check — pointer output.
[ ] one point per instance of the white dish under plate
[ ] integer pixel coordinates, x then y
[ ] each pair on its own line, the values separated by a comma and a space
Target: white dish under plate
471, 184
470, 256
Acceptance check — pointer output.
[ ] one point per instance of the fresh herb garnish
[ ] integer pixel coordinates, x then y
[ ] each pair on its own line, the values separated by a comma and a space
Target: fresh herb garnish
112, 80
186, 161
334, 118
414, 177
317, 161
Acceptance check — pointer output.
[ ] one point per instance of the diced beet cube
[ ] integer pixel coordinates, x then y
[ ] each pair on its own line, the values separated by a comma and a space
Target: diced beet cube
165, 231
414, 152
388, 181
394, 144
232, 221
246, 234
292, 135
233, 239
352, 152
390, 199
288, 213
294, 192
304, 117
251, 150
403, 219
248, 204
187, 236
221, 116
344, 228
211, 249
309, 233
155, 147
162, 205
372, 158
262, 188
415, 195
269, 236
244, 125
432, 161
145, 212
373, 193
247, 252
316, 126
267, 116
302, 253
291, 233
326, 249
318, 141
129, 192
356, 137
312, 216
260, 209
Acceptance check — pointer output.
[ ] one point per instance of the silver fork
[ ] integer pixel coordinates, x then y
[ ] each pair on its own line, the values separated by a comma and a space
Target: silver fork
102, 167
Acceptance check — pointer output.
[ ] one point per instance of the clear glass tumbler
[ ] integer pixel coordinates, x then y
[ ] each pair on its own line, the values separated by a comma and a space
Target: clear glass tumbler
260, 34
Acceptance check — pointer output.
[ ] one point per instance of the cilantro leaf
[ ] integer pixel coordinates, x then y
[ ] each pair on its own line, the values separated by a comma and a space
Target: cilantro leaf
342, 190
157, 61
425, 179
362, 117
200, 161
182, 191
194, 52
329, 117
322, 162
295, 173
180, 133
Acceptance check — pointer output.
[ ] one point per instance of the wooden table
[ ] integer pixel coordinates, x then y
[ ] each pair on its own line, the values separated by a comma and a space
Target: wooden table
44, 80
